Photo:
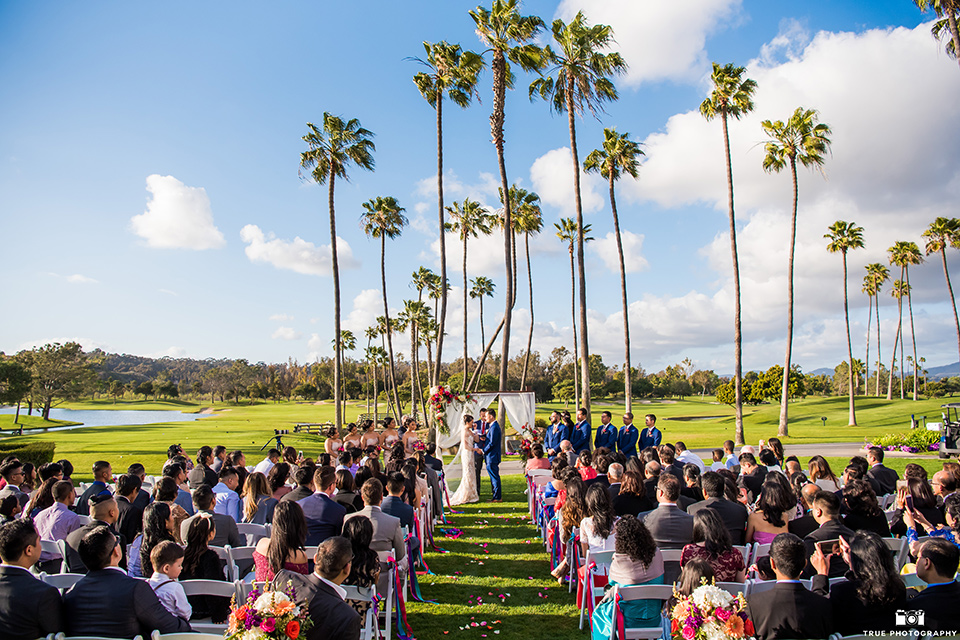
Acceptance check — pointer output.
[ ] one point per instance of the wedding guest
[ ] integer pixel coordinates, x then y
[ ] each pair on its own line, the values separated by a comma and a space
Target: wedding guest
102, 475
821, 475
157, 527
324, 515
365, 568
711, 542
225, 491
200, 562
56, 522
130, 520
226, 527
632, 498
863, 512
29, 608
386, 528
202, 473
770, 518
167, 559
537, 461
304, 479
277, 479
258, 503
286, 546
166, 492
346, 493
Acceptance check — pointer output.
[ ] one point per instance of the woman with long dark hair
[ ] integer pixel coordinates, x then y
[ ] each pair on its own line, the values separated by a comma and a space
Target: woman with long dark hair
277, 479
346, 492
863, 511
777, 447
166, 491
200, 562
573, 511
633, 497
41, 498
869, 599
770, 518
285, 548
157, 527
365, 570
596, 527
821, 474
923, 501
711, 542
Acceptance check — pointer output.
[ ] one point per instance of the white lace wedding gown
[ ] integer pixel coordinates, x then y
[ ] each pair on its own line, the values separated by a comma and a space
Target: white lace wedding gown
468, 490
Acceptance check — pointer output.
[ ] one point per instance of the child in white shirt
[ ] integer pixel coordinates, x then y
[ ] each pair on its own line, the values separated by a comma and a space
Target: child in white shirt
167, 560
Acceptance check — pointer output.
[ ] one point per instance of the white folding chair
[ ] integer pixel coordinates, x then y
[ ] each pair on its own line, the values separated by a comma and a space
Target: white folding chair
387, 600
661, 592
246, 587
601, 560
62, 550
895, 545
904, 555
760, 551
745, 550
237, 556
156, 635
210, 588
733, 588
572, 553
253, 531
62, 581
229, 569
363, 595
84, 519
61, 636
759, 586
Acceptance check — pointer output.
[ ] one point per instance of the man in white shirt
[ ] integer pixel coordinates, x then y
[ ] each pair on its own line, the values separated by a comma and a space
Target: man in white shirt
686, 456
264, 466
228, 502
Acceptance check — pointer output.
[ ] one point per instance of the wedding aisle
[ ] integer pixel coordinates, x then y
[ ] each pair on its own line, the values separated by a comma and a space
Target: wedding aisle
494, 582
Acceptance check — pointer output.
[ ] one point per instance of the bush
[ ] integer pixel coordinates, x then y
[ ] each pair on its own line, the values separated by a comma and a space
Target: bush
912, 441
35, 452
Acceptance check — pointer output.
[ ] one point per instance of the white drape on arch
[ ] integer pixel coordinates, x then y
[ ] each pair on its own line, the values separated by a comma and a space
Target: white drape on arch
520, 408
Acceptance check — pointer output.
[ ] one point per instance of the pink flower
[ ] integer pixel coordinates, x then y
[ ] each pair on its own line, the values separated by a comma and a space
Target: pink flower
689, 633
269, 625
722, 613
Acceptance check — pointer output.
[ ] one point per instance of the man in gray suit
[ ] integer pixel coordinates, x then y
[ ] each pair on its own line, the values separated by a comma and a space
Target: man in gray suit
386, 528
227, 532
733, 514
670, 527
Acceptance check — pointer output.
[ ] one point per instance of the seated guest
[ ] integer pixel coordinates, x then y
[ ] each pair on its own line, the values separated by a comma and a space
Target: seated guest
346, 494
166, 491
711, 542
394, 505
826, 511
29, 608
671, 528
821, 474
130, 520
596, 527
277, 479
751, 475
219, 457
167, 561
200, 562
770, 518
583, 465
636, 561
324, 515
733, 514
915, 520
690, 490
789, 610
386, 528
923, 501
178, 474
651, 476
862, 509
868, 599
225, 491
203, 473
303, 476
142, 499
238, 461
885, 477
285, 548
601, 462
57, 522
365, 568
769, 460
437, 463
264, 466
106, 602
321, 592
102, 475
937, 566
615, 478
669, 464
226, 527
157, 528
685, 456
806, 524
717, 463
40, 499
632, 498
694, 573
537, 461
103, 512
12, 473
258, 503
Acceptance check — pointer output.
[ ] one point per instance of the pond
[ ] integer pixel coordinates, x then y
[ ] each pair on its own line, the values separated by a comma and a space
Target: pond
104, 417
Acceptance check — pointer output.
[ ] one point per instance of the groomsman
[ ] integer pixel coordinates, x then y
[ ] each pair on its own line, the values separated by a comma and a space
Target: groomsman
557, 432
606, 433
628, 436
491, 454
650, 436
480, 430
580, 437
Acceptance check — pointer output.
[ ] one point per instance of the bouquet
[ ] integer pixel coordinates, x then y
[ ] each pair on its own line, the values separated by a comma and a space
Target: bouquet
709, 613
268, 615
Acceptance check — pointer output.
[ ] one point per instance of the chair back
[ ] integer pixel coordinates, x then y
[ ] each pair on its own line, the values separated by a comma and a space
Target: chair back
760, 551
156, 635
745, 551
237, 556
363, 594
733, 588
50, 546
661, 592
62, 581
254, 532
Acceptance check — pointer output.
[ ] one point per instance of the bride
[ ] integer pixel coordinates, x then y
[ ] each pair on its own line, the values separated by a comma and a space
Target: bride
468, 490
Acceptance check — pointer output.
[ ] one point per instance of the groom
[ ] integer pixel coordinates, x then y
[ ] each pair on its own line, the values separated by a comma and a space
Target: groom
491, 453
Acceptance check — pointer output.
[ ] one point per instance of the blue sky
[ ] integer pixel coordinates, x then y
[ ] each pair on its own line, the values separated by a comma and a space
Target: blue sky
151, 202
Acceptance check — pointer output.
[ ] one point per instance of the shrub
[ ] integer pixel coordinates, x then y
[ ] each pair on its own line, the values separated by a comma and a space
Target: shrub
35, 452
912, 441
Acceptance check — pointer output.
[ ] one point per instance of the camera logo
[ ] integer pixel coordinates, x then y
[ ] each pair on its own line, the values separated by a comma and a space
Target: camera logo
906, 618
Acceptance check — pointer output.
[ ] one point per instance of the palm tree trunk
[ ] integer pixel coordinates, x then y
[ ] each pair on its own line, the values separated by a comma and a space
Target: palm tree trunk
783, 430
526, 357
573, 318
627, 386
846, 317
414, 376
465, 314
499, 68
478, 371
581, 267
338, 346
901, 365
866, 375
442, 319
376, 392
952, 25
737, 336
913, 336
386, 315
953, 301
896, 339
879, 353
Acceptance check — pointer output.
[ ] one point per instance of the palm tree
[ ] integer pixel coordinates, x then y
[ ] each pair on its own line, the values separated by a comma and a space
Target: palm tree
567, 232
903, 254
528, 219
509, 38
422, 279
582, 82
877, 274
800, 139
618, 155
482, 288
941, 233
947, 11
470, 220
331, 148
899, 290
383, 218
452, 72
846, 236
348, 342
371, 333
732, 96
412, 317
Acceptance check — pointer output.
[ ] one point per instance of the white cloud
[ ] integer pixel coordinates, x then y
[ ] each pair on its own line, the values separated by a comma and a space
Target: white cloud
281, 317
367, 306
295, 255
552, 178
177, 217
81, 279
658, 40
484, 256
88, 344
286, 333
169, 352
606, 249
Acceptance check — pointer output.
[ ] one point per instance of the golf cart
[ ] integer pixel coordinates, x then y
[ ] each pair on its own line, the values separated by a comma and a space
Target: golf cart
950, 430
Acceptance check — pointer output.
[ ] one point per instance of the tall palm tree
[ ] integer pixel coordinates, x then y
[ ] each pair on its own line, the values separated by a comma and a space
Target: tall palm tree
528, 219
941, 233
618, 155
567, 232
469, 219
452, 73
331, 149
898, 291
482, 287
903, 254
383, 218
871, 290
947, 11
846, 236
732, 96
509, 37
581, 82
412, 317
800, 139
348, 342
371, 333
422, 279
878, 274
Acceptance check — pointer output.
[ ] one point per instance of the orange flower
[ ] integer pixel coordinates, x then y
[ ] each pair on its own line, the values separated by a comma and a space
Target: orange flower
674, 626
734, 626
748, 627
292, 630
281, 608
241, 613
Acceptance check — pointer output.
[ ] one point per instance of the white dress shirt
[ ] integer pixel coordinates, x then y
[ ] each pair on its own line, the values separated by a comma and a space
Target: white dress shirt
171, 595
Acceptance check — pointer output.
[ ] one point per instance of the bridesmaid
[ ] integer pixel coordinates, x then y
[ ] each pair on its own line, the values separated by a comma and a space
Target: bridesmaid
370, 437
333, 444
411, 439
389, 437
352, 439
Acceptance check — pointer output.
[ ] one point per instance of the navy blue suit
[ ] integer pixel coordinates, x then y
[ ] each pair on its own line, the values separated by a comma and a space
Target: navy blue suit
491, 453
627, 440
580, 438
324, 517
606, 437
556, 434
650, 440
